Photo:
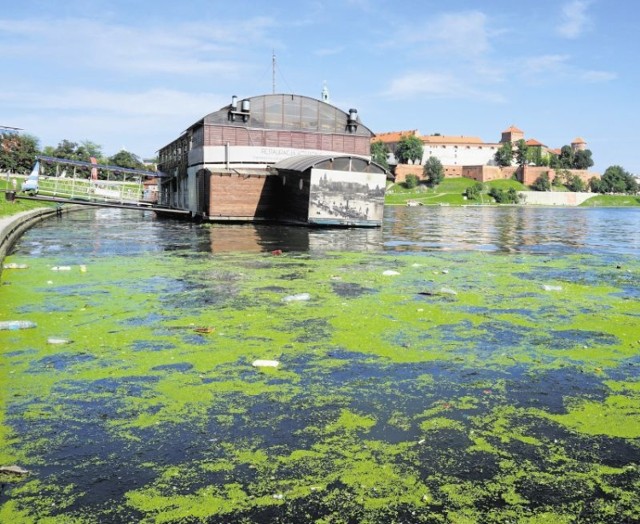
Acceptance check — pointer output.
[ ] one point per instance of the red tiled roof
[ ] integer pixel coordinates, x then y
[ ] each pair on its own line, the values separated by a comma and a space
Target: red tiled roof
578, 141
394, 136
534, 143
439, 139
513, 129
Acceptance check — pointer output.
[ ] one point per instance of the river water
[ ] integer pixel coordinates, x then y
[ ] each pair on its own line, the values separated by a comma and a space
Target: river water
493, 229
459, 364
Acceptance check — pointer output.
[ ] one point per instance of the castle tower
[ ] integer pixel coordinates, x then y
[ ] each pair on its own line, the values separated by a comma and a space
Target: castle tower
578, 144
513, 134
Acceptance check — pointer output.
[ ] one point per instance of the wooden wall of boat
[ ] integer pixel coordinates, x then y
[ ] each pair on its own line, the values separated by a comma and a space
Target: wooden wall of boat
235, 196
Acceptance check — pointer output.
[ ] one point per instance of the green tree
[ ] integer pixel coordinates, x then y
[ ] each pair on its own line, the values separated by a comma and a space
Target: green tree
617, 180
595, 185
71, 151
504, 197
17, 152
379, 153
565, 159
575, 183
411, 181
521, 152
409, 148
473, 192
535, 156
545, 160
504, 155
433, 171
562, 175
582, 159
542, 183
49, 150
126, 159
93, 150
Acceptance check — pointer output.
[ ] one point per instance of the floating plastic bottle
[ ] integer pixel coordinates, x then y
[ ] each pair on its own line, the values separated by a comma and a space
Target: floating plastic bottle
13, 265
14, 325
297, 298
56, 340
265, 363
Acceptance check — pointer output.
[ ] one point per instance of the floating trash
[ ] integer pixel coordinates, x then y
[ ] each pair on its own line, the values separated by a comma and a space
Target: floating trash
390, 273
15, 470
61, 268
448, 291
14, 325
204, 329
301, 297
265, 363
547, 287
83, 268
56, 340
13, 265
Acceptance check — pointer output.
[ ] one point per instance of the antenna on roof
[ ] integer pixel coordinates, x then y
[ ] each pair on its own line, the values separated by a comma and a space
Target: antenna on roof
273, 71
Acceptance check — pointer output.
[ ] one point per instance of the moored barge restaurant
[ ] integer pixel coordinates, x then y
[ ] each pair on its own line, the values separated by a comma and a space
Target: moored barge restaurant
278, 157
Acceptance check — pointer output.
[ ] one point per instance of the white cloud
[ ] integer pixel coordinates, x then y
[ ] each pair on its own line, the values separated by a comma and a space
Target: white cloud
574, 19
184, 49
551, 68
329, 51
145, 120
438, 85
540, 65
463, 34
598, 76
154, 102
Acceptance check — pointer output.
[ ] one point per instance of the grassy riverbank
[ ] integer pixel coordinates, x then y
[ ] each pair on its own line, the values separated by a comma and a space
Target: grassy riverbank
17, 206
613, 201
451, 192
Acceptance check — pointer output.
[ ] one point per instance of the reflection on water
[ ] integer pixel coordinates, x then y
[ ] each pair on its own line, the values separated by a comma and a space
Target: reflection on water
508, 229
513, 229
248, 237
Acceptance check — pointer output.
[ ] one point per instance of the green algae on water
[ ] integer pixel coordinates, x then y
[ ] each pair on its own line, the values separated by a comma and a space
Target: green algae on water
393, 400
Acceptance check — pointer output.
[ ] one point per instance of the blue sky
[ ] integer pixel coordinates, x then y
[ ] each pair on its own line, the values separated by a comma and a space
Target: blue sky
135, 74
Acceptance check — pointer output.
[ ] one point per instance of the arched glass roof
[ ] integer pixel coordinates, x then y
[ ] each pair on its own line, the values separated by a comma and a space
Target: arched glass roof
288, 112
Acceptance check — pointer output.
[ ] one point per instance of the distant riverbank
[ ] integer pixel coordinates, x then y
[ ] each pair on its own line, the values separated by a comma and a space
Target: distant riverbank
451, 192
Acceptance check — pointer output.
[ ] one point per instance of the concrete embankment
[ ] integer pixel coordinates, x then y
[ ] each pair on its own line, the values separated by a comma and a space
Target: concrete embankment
11, 227
552, 198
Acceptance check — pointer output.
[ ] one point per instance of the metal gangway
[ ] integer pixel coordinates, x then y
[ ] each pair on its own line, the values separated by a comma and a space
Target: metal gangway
75, 179
65, 181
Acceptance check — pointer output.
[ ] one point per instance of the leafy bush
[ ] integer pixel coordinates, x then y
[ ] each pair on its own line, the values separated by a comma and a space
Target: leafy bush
473, 192
542, 183
504, 197
575, 183
411, 181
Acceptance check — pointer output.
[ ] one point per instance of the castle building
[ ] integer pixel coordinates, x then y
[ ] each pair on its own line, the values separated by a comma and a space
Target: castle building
471, 157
